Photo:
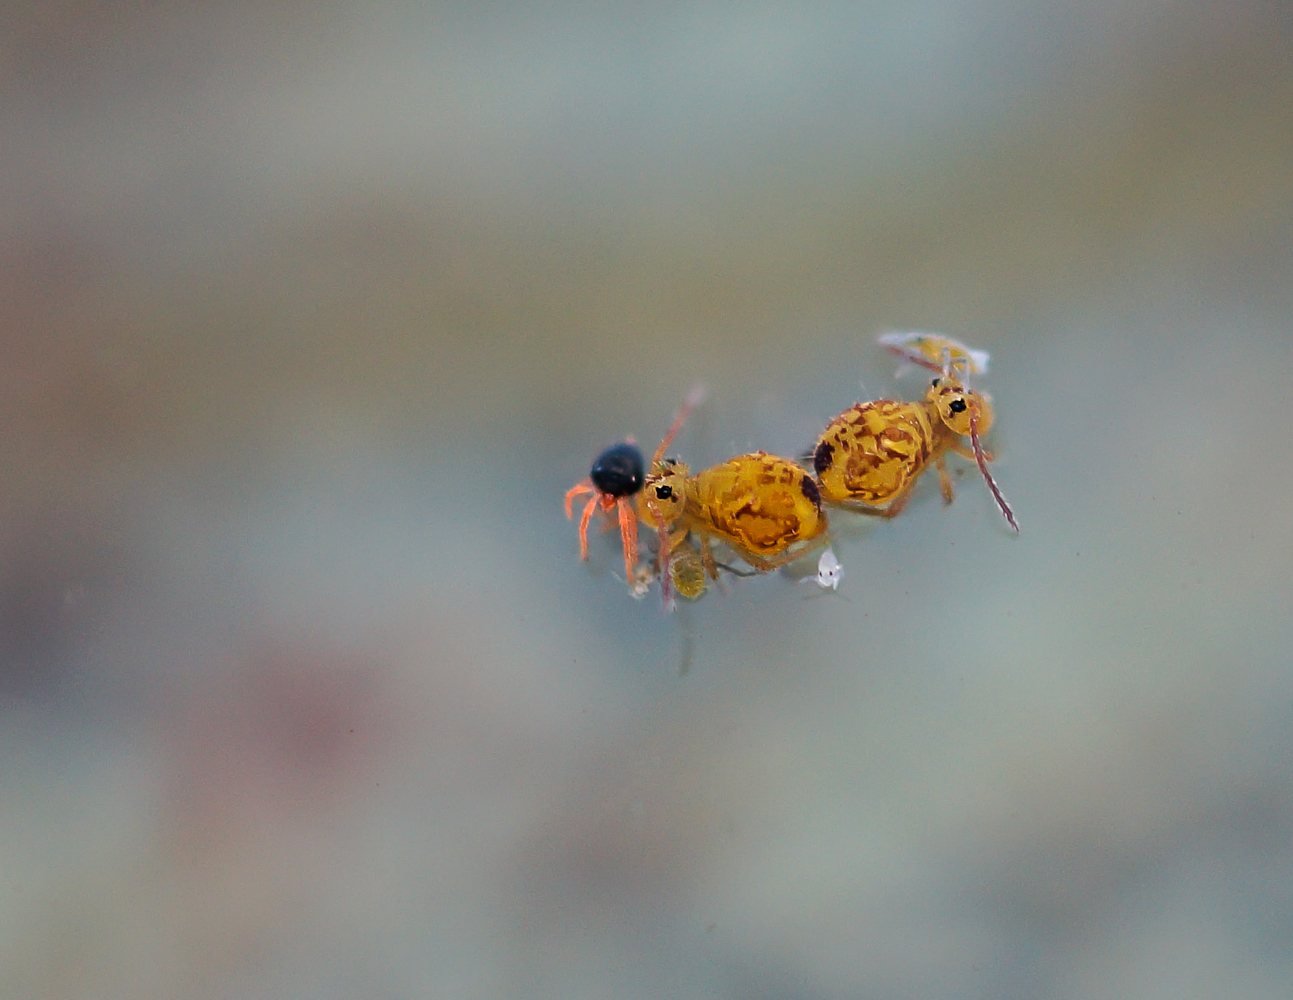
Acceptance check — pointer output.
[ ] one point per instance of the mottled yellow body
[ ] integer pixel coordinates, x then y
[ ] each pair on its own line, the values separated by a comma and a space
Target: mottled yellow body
759, 505
756, 503
871, 455
873, 451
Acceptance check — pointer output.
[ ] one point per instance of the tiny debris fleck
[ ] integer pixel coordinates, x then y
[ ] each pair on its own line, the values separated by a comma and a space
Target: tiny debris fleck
641, 580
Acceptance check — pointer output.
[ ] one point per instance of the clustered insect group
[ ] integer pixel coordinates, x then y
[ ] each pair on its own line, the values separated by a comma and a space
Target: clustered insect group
769, 511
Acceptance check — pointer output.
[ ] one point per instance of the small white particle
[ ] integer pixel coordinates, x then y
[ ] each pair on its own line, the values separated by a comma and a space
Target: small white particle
829, 571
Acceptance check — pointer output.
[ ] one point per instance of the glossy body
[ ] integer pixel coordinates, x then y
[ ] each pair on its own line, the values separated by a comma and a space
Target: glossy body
619, 471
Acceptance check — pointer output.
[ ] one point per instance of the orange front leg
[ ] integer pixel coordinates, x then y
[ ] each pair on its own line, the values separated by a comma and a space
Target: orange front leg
574, 491
628, 535
583, 525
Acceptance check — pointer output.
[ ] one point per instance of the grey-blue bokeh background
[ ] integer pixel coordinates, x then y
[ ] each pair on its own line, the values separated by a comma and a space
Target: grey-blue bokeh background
310, 316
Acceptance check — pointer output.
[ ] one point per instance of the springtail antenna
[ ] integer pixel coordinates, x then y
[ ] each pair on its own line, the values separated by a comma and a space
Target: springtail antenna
992, 483
694, 398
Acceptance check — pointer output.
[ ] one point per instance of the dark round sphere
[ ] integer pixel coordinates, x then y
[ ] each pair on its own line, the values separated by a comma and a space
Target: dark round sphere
619, 471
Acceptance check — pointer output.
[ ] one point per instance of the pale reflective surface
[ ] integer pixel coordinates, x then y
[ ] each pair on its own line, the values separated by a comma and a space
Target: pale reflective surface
310, 320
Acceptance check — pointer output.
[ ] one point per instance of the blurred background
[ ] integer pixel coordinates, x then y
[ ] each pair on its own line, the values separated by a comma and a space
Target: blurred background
311, 314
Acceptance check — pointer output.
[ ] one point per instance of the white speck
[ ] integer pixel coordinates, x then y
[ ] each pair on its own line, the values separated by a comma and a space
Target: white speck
640, 582
829, 571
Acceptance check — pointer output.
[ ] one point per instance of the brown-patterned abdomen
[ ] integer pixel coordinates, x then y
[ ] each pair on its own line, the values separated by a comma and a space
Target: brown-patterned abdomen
759, 503
872, 451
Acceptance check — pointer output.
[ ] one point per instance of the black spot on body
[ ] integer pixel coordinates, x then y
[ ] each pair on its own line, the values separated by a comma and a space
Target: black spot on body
822, 457
957, 406
619, 471
811, 492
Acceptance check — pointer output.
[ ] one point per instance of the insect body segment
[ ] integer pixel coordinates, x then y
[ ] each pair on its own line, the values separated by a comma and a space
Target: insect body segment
759, 505
870, 456
872, 452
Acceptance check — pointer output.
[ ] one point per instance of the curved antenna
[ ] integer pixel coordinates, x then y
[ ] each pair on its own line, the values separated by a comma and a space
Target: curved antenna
693, 400
987, 476
915, 358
